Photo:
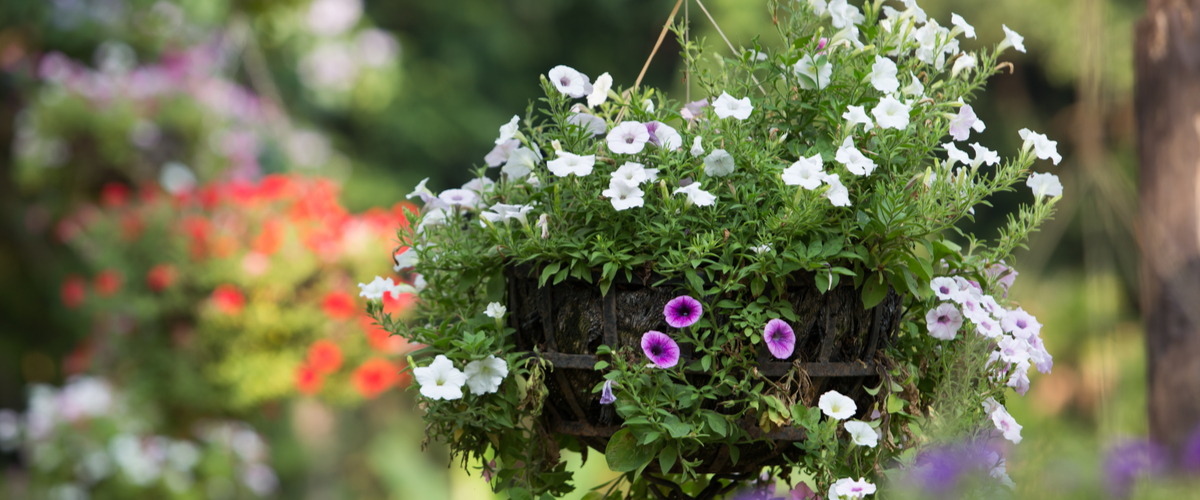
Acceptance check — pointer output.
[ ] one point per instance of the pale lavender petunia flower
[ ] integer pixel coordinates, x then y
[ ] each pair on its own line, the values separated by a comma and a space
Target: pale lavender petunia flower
683, 311
664, 136
944, 321
588, 122
1021, 324
628, 138
606, 394
1129, 461
693, 109
499, 154
661, 350
780, 338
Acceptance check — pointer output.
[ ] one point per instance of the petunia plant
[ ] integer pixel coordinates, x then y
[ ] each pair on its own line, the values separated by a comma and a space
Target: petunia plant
834, 158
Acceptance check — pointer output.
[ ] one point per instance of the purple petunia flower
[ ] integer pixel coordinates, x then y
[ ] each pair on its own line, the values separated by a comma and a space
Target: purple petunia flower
606, 394
661, 350
683, 311
781, 340
1190, 455
1128, 462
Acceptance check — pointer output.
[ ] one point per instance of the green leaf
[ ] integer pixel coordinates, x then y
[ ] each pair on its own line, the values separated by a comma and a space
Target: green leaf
734, 453
873, 291
717, 422
547, 272
694, 280
676, 427
895, 404
600, 365
623, 453
519, 494
666, 458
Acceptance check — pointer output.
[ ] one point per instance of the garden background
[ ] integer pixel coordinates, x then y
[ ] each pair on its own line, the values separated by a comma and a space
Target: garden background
378, 95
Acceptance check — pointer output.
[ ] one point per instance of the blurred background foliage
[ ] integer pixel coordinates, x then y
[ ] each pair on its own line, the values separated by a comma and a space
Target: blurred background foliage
385, 93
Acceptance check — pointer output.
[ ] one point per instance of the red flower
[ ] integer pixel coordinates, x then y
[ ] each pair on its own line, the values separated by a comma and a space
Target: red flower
380, 339
131, 226
397, 303
114, 194
325, 356
308, 380
375, 376
228, 299
74, 290
339, 305
107, 283
269, 240
161, 277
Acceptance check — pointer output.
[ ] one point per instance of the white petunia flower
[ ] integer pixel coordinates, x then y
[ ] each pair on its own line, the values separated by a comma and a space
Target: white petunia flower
459, 197
914, 89
944, 321
852, 490
718, 163
1011, 39
664, 136
697, 149
855, 115
520, 163
375, 289
1042, 146
961, 26
1006, 424
954, 155
484, 376
533, 181
480, 186
883, 75
965, 62
818, 76
432, 217
965, 121
631, 173
945, 288
761, 249
648, 105
440, 380
571, 164
570, 82
844, 14
856, 162
495, 310
543, 223
623, 194
501, 212
406, 259
423, 192
588, 122
807, 173
1012, 350
983, 155
499, 154
508, 130
861, 433
837, 406
419, 283
628, 138
1044, 185
697, 196
600, 90
891, 113
837, 194
726, 106
988, 327
818, 6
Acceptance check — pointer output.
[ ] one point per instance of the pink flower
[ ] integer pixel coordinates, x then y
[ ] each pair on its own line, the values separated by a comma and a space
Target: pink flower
683, 311
780, 338
660, 348
944, 321
1021, 324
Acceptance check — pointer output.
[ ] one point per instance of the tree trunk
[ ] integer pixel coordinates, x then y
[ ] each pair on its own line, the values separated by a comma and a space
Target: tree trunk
1168, 115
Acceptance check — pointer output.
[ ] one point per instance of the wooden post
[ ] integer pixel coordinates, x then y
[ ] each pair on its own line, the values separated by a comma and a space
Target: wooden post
1168, 114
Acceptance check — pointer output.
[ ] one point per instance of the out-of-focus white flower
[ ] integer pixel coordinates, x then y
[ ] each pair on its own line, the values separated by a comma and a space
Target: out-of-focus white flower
600, 90
883, 75
502, 212
419, 283
544, 224
965, 121
914, 89
500, 153
1011, 39
697, 196
333, 17
85, 397
571, 164
719, 163
845, 489
440, 380
648, 105
508, 130
1006, 424
376, 48
761, 249
588, 122
891, 113
260, 479
458, 197
843, 14
697, 149
628, 138
623, 194
176, 178
818, 76
329, 66
726, 106
1042, 146
961, 26
520, 163
484, 376
495, 310
861, 433
807, 173
855, 115
856, 162
837, 406
570, 82
818, 6
837, 194
964, 62
406, 259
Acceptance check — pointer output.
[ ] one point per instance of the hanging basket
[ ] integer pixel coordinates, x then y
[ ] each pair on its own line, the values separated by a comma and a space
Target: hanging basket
836, 342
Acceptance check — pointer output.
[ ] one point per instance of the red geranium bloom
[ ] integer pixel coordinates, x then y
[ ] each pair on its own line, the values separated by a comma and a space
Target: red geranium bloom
108, 282
380, 339
74, 290
114, 194
375, 376
161, 277
308, 380
228, 299
131, 226
339, 305
397, 303
269, 240
325, 356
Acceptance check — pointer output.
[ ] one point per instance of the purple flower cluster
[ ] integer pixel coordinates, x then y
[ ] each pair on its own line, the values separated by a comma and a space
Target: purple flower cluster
1128, 462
